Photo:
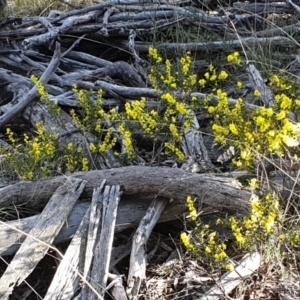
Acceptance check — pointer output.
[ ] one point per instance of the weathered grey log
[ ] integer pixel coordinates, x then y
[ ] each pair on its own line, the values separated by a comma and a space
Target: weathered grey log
289, 30
94, 226
194, 149
87, 58
258, 83
125, 91
54, 32
67, 276
295, 6
130, 212
37, 242
3, 4
119, 70
263, 8
120, 252
218, 45
36, 67
137, 180
26, 99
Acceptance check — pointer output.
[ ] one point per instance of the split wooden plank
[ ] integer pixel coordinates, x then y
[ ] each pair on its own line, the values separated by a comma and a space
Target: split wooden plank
137, 268
66, 280
92, 237
99, 273
230, 280
194, 149
258, 83
37, 242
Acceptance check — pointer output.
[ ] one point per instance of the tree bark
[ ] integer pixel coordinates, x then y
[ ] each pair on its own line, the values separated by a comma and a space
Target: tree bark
213, 191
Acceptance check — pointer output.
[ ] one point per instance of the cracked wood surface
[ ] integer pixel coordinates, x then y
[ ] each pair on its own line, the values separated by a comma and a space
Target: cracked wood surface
37, 242
216, 192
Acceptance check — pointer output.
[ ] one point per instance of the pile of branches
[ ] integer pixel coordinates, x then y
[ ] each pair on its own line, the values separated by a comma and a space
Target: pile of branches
100, 47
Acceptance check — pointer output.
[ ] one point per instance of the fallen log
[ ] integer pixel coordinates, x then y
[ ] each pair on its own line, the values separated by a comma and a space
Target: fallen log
215, 192
130, 211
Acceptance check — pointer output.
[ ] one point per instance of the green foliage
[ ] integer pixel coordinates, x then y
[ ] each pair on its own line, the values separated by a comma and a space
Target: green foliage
41, 7
259, 134
41, 155
32, 157
262, 132
53, 106
204, 243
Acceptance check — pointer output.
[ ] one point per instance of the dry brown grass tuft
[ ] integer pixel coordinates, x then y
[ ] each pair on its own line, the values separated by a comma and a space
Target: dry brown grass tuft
42, 7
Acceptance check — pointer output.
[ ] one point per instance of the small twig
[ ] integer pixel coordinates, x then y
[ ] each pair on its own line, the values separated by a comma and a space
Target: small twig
73, 46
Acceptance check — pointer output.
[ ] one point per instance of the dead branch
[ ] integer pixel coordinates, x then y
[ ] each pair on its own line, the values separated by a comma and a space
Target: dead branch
166, 182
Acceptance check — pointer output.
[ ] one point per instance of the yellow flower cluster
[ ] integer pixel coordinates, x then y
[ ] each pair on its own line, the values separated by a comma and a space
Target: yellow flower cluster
212, 76
41, 156
239, 84
177, 117
10, 135
279, 83
153, 78
91, 115
85, 164
169, 98
204, 243
109, 141
263, 131
73, 159
260, 223
148, 121
168, 79
186, 242
192, 209
237, 231
53, 106
127, 141
42, 146
175, 133
93, 148
171, 146
153, 53
257, 93
216, 250
234, 58
32, 160
70, 162
185, 62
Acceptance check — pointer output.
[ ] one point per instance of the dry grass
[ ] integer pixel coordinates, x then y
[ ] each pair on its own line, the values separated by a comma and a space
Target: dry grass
42, 7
